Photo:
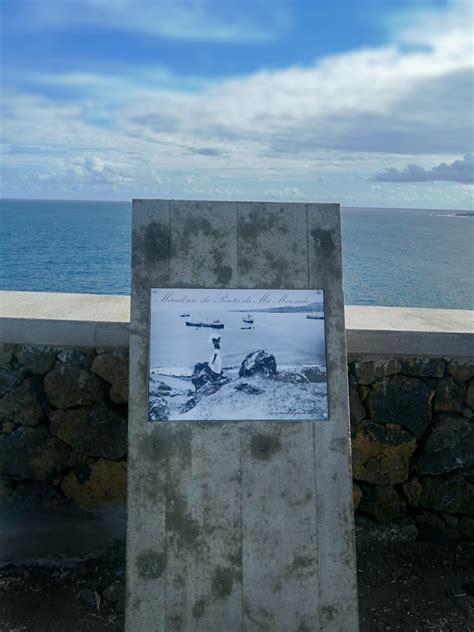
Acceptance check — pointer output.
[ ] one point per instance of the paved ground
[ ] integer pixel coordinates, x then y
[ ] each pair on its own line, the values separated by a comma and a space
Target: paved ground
404, 586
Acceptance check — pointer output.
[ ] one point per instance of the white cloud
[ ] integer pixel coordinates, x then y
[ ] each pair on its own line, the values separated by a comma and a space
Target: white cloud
272, 133
458, 171
285, 193
374, 100
94, 165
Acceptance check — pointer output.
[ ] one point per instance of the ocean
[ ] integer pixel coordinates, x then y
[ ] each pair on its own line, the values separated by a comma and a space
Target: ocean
397, 257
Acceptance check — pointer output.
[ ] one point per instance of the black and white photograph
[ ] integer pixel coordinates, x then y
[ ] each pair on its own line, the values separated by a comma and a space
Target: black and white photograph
219, 355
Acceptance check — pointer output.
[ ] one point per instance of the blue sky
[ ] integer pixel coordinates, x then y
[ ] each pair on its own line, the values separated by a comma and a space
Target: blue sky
363, 102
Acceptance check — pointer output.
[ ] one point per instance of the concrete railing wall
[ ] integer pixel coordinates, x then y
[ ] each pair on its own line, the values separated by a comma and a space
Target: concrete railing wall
64, 393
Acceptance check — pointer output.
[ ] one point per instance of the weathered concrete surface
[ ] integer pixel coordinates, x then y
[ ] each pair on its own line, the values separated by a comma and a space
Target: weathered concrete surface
410, 331
234, 525
50, 318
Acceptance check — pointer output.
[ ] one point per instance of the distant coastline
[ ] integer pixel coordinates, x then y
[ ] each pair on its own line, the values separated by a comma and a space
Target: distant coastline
312, 307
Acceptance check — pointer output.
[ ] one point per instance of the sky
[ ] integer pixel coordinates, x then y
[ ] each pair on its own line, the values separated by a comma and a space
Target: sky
362, 102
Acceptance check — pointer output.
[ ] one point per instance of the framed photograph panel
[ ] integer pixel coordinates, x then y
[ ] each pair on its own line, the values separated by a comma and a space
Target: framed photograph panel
219, 355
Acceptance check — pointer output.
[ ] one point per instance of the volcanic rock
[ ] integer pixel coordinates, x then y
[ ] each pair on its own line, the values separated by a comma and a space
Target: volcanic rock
461, 371
203, 374
113, 369
383, 504
450, 395
37, 358
258, 363
68, 386
98, 483
449, 447
97, 431
402, 400
22, 405
452, 495
368, 371
32, 453
158, 409
381, 455
424, 367
9, 378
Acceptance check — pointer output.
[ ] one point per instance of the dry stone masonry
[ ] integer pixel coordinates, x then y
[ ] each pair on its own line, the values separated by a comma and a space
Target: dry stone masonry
63, 435
63, 421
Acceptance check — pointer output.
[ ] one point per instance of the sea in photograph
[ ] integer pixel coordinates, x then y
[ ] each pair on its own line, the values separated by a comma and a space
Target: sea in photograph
293, 339
397, 257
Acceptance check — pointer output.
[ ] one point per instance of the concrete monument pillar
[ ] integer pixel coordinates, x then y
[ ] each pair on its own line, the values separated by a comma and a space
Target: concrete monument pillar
239, 525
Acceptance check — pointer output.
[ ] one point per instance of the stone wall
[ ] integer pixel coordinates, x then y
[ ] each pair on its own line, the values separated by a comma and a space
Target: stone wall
63, 435
63, 422
413, 443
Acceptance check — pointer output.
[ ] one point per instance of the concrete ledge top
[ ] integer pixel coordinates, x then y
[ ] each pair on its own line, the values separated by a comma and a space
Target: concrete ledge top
103, 320
376, 318
57, 306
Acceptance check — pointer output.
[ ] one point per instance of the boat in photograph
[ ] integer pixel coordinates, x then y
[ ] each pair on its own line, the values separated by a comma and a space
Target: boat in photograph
248, 319
319, 316
216, 324
185, 315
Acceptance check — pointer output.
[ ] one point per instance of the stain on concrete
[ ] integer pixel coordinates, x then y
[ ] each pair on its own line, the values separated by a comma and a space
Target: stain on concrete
223, 273
300, 566
199, 608
163, 443
153, 242
136, 603
222, 582
304, 626
175, 621
151, 564
279, 266
202, 244
328, 614
192, 226
260, 624
154, 487
264, 446
277, 586
236, 478
260, 221
327, 258
339, 445
273, 243
154, 448
245, 265
236, 559
180, 524
323, 242
179, 582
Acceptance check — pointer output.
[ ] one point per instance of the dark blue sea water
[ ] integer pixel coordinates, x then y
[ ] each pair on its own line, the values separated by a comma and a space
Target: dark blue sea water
400, 257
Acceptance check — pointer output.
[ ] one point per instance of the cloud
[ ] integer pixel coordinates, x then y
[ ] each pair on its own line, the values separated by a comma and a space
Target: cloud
94, 165
378, 100
205, 151
285, 193
185, 20
101, 171
461, 171
340, 118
